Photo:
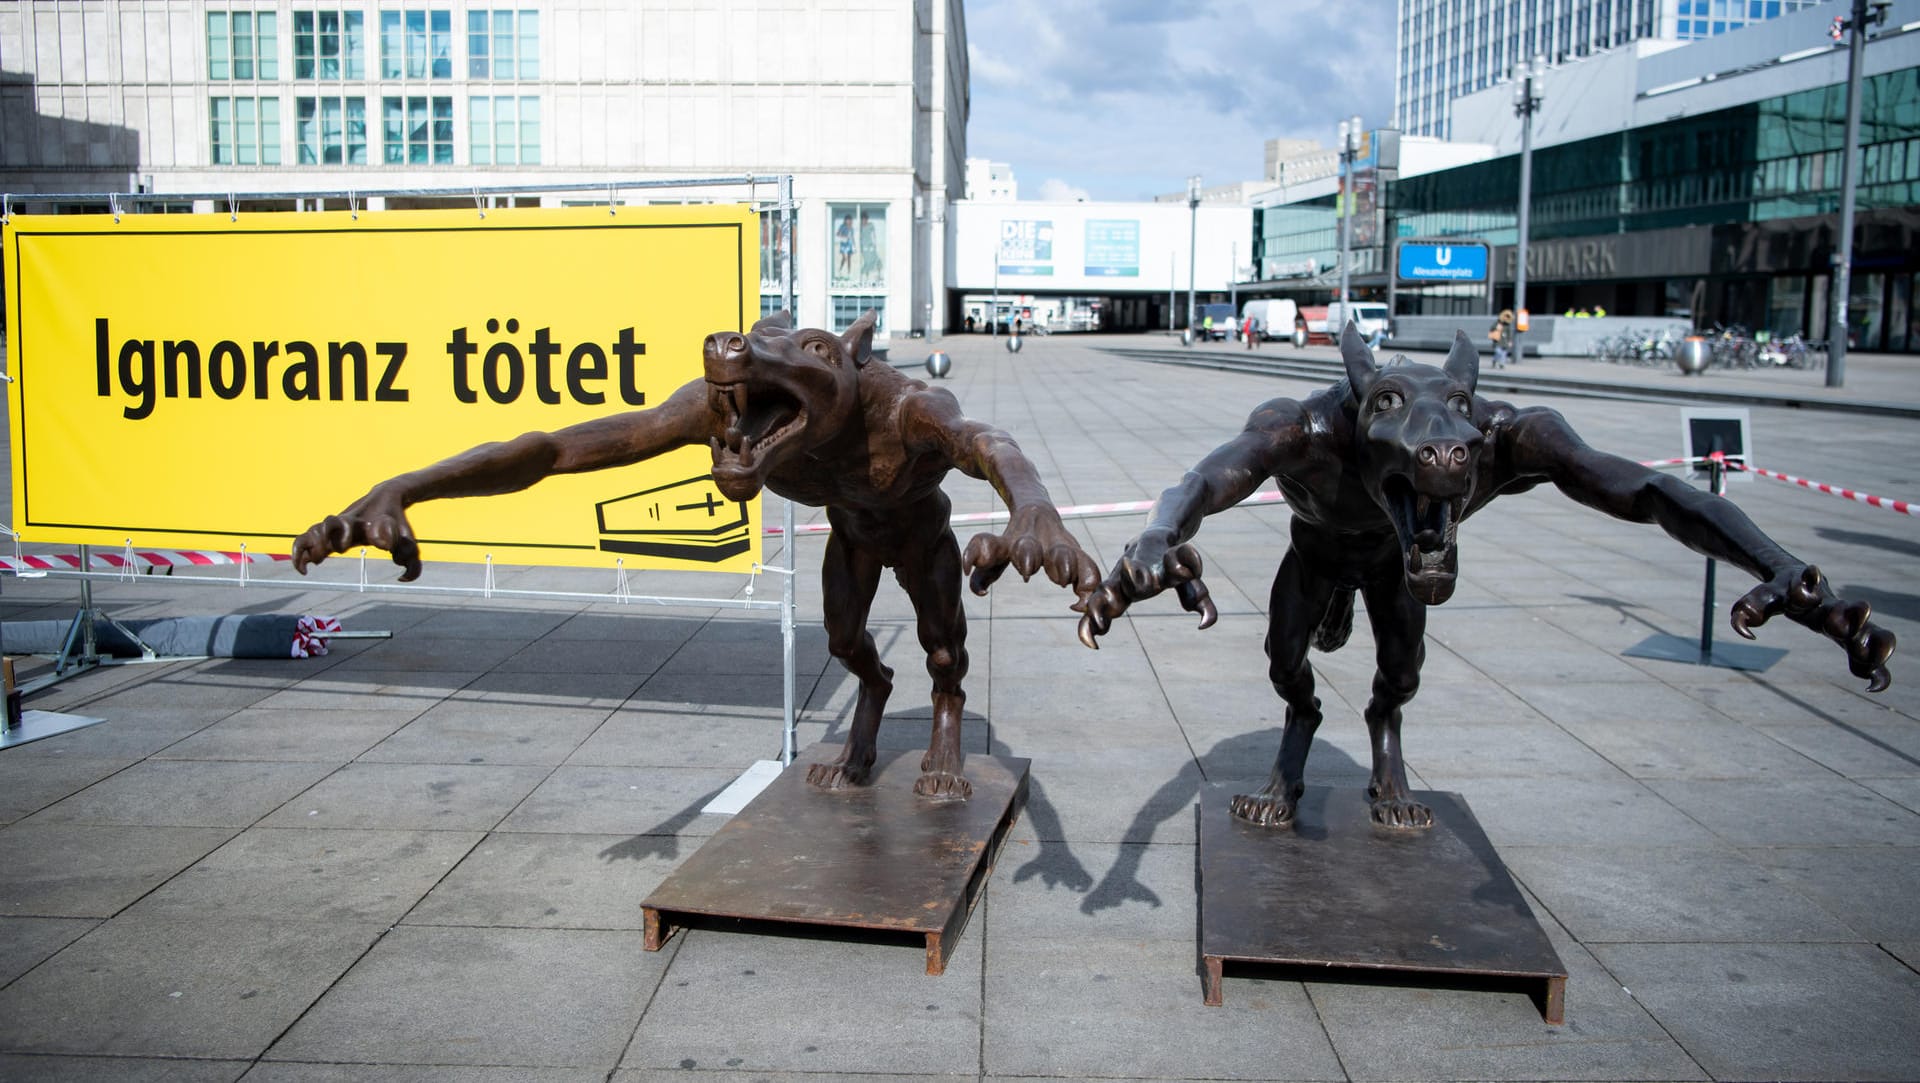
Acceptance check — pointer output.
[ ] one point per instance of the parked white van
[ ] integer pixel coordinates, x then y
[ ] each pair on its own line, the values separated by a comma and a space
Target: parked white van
1276, 318
1371, 316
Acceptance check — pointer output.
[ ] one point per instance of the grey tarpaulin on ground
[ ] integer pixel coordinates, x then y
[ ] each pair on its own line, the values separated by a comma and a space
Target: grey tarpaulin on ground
257, 635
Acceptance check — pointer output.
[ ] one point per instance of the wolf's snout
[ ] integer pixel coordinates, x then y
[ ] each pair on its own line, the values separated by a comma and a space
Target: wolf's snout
1443, 454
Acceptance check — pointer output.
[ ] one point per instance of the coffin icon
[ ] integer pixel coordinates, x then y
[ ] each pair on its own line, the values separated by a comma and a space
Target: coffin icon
686, 520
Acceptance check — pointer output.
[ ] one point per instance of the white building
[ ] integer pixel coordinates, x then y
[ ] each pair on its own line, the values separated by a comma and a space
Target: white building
864, 102
1119, 266
991, 181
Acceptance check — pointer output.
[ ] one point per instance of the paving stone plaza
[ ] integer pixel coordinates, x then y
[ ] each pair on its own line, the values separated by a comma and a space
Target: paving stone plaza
423, 858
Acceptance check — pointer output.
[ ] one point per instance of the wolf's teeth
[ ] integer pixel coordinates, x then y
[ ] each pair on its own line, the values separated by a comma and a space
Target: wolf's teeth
740, 398
746, 452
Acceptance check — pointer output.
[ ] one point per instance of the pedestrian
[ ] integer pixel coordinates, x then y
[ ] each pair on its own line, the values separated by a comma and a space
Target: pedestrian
1206, 328
1246, 331
1501, 334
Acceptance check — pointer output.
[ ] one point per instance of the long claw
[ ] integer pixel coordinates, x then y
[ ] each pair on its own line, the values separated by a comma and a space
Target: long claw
1087, 635
1208, 614
1881, 680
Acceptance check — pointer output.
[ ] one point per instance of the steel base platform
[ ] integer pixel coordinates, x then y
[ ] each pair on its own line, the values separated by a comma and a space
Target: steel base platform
1336, 893
878, 858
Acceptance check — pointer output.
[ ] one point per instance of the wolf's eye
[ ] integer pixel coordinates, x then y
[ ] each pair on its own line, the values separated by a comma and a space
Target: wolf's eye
1461, 406
1387, 400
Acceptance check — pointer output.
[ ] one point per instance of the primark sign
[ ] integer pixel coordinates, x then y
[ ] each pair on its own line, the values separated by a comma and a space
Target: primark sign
1421, 261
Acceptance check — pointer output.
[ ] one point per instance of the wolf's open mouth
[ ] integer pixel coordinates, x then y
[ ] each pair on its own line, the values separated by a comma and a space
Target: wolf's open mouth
1428, 527
755, 423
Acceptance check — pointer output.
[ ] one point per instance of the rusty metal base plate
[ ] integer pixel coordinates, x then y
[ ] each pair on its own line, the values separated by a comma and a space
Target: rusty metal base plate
879, 857
1335, 892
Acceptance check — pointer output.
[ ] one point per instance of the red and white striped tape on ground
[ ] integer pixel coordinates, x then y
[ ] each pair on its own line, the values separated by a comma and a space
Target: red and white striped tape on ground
154, 558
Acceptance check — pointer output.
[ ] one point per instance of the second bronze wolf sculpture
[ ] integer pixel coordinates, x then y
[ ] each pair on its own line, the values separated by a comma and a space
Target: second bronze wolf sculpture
1379, 470
803, 413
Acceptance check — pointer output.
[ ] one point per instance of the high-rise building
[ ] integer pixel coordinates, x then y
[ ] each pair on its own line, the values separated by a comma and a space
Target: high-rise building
863, 102
1448, 48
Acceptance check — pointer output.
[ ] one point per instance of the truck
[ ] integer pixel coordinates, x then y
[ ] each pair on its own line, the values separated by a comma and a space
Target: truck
1276, 318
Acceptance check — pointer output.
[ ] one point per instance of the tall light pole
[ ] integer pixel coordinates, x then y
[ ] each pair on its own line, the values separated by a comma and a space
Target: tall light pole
1193, 243
1349, 150
1856, 26
1526, 102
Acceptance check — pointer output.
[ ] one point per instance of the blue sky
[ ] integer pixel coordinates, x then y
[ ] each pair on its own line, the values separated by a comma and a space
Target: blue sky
1124, 99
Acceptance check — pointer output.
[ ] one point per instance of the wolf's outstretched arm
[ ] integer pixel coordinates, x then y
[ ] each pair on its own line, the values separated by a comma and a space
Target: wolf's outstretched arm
1542, 444
379, 518
1159, 558
1035, 538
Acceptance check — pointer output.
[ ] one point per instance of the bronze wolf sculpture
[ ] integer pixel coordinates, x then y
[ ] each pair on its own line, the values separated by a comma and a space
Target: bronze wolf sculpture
803, 414
1379, 470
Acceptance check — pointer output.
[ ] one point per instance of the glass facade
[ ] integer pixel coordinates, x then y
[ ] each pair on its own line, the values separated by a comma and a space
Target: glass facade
242, 45
329, 44
503, 45
1761, 180
1448, 48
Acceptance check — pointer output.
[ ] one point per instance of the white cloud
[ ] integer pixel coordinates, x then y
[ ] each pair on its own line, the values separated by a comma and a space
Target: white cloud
1123, 99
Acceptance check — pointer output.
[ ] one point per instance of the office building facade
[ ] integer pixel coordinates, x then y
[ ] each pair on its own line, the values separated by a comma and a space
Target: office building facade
1699, 184
258, 97
1446, 49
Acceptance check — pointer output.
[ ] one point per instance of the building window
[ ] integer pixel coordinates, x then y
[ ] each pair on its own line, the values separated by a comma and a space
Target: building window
242, 45
848, 308
331, 131
417, 130
416, 44
504, 130
859, 239
245, 131
503, 44
329, 45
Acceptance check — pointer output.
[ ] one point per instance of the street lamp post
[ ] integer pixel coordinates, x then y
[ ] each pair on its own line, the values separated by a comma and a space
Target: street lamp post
1526, 102
1349, 150
1193, 243
1855, 25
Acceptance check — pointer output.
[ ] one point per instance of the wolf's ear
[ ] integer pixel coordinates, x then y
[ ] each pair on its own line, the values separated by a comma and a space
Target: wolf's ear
778, 321
1463, 361
858, 339
1361, 368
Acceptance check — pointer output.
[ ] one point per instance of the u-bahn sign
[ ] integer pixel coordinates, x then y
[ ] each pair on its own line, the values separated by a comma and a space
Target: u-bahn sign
1442, 261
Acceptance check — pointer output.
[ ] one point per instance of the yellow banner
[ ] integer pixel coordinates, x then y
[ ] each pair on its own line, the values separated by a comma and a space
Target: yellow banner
191, 381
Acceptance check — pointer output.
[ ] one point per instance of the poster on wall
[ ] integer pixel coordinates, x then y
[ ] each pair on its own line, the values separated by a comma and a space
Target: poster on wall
859, 258
1113, 248
1026, 246
773, 253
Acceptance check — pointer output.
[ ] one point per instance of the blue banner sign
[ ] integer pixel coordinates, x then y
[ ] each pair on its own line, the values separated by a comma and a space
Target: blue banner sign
1113, 247
1443, 262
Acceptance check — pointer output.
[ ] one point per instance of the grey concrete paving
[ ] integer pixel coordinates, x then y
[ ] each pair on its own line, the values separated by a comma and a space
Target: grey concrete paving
423, 858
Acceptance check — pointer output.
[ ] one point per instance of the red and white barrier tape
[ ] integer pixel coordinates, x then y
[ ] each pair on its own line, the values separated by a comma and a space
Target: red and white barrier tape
1070, 511
1901, 506
168, 558
156, 558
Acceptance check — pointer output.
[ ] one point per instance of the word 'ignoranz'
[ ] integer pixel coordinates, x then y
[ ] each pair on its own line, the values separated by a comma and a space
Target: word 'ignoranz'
803, 414
1379, 471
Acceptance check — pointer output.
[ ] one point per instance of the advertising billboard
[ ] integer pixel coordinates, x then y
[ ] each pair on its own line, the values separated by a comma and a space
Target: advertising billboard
1026, 246
205, 381
1113, 248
